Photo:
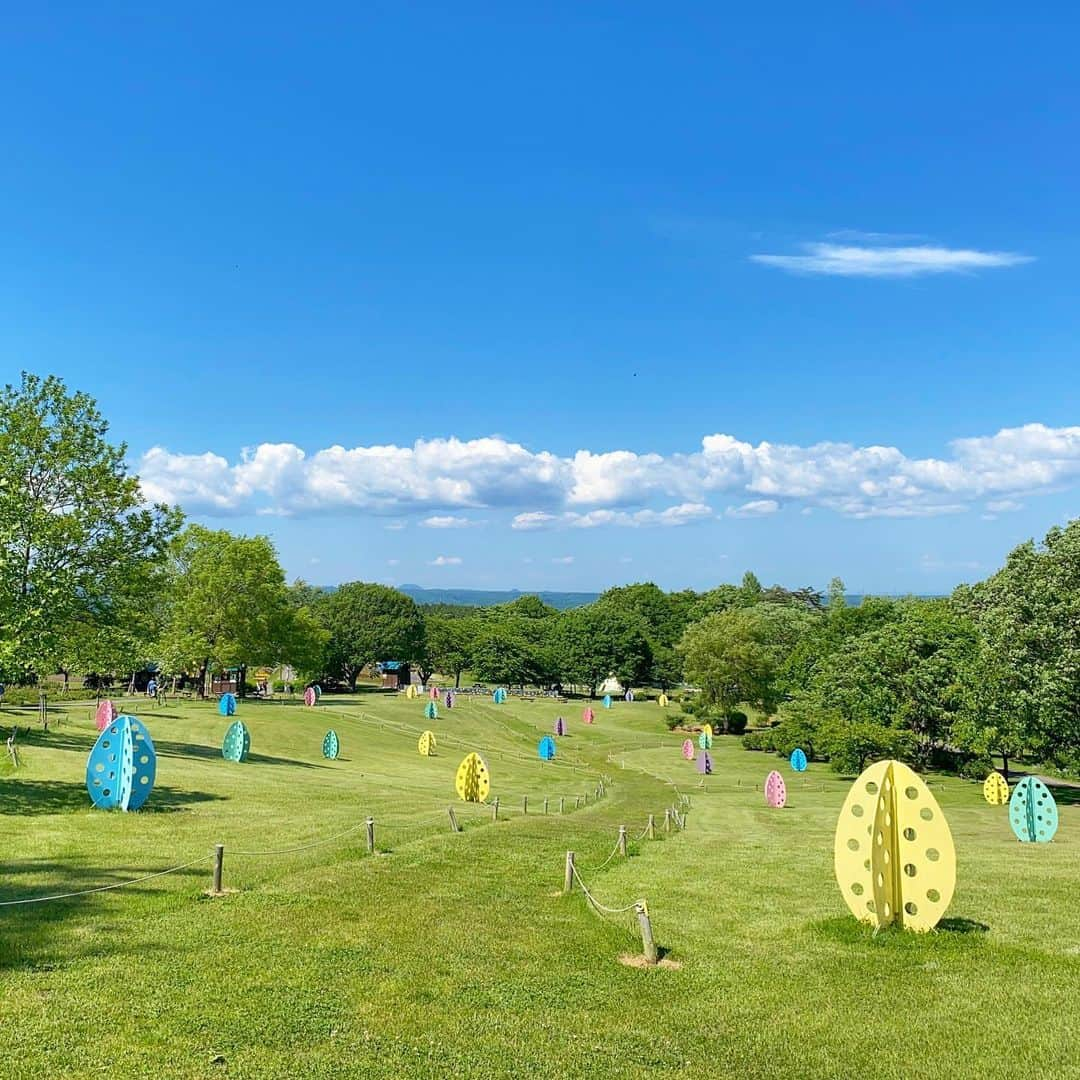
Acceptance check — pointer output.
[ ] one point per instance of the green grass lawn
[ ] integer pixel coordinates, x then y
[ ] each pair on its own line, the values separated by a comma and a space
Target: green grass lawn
455, 954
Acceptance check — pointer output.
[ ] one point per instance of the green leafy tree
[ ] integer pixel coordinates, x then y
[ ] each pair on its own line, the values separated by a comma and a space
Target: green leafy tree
75, 534
367, 624
598, 641
230, 607
449, 644
1028, 618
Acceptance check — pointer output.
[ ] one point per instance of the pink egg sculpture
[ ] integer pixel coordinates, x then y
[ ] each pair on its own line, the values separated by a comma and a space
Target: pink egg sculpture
309, 697
688, 750
775, 790
588, 715
105, 715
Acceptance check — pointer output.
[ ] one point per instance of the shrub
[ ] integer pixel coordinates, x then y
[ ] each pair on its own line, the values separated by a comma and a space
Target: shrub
673, 720
735, 722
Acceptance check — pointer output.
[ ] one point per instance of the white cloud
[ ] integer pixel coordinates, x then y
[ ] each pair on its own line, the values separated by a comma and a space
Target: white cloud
448, 521
754, 508
563, 560
392, 562
619, 489
673, 516
1004, 506
445, 560
854, 260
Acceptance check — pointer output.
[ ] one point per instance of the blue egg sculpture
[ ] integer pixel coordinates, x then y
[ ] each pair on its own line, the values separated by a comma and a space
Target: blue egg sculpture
237, 743
798, 760
547, 748
318, 691
607, 701
499, 696
227, 705
331, 745
1033, 814
431, 711
122, 765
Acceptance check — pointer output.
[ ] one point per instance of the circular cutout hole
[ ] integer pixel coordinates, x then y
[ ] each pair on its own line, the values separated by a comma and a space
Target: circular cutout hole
933, 854
856, 810
853, 844
911, 793
105, 792
926, 814
933, 895
857, 889
911, 909
909, 869
871, 787
870, 906
909, 833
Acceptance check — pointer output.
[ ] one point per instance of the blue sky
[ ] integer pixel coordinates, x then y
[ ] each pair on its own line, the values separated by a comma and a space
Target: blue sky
623, 292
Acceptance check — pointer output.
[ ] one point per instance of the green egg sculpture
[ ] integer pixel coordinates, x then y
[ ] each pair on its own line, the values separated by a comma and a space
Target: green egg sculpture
331, 745
237, 744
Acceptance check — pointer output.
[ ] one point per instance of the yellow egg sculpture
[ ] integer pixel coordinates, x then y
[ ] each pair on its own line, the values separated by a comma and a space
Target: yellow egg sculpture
707, 730
426, 743
894, 856
996, 789
662, 701
473, 782
410, 691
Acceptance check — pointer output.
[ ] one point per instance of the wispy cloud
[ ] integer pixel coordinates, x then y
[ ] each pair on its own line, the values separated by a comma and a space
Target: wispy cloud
563, 560
862, 260
754, 508
445, 560
449, 521
671, 517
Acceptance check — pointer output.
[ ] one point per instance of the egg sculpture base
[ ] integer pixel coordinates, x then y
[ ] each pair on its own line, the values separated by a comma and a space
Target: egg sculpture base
894, 857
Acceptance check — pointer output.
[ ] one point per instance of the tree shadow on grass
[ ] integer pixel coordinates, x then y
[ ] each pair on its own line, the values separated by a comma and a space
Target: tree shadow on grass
35, 936
32, 798
165, 748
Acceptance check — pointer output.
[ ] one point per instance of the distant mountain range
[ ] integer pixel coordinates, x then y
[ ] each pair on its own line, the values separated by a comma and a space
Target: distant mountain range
487, 597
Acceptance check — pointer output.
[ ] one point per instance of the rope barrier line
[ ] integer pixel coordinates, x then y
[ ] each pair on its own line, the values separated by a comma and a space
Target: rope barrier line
603, 908
303, 847
105, 888
597, 869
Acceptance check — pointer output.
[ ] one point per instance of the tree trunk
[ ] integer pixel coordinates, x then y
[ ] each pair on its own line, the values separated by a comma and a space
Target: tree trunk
242, 677
457, 679
201, 689
1005, 767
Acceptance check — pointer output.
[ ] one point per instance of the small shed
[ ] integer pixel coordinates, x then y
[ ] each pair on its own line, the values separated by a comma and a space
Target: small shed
395, 674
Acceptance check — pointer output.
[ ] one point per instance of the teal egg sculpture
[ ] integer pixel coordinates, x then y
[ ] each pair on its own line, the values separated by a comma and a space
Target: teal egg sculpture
431, 711
331, 745
237, 743
227, 705
798, 760
122, 765
1033, 814
546, 748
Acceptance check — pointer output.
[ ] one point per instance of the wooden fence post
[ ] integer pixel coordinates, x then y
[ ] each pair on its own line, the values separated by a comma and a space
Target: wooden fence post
370, 823
562, 804
495, 809
524, 804
652, 827
622, 841
454, 826
568, 877
667, 821
219, 858
648, 944
545, 804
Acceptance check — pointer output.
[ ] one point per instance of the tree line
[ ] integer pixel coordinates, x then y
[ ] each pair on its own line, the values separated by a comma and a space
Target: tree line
94, 580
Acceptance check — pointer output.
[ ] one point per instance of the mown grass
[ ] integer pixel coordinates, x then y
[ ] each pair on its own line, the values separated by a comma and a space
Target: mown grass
454, 954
